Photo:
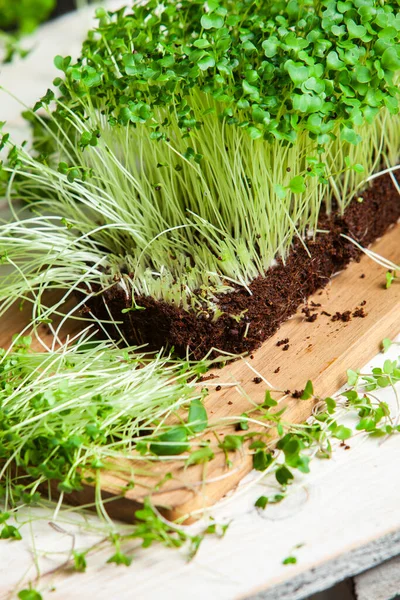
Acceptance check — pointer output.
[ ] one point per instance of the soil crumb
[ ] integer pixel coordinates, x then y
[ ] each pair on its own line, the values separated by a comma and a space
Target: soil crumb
345, 316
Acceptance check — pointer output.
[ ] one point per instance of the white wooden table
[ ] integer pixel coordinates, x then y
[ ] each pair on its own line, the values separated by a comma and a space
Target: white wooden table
345, 515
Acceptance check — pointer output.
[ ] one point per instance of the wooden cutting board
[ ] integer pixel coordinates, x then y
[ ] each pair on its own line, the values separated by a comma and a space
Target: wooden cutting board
321, 351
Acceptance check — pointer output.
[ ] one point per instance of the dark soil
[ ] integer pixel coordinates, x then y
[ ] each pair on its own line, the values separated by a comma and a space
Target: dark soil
275, 297
345, 316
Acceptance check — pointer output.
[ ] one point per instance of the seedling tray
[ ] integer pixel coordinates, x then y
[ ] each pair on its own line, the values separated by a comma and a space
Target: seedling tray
320, 350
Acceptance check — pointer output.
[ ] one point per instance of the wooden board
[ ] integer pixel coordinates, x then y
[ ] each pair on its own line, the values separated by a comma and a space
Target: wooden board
320, 351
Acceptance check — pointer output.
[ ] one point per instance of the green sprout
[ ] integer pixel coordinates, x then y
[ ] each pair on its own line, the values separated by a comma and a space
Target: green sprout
187, 149
18, 19
81, 407
24, 15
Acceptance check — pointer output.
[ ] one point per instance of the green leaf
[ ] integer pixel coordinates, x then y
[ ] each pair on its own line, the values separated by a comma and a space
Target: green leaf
231, 442
330, 405
29, 595
197, 419
261, 460
261, 502
349, 135
390, 277
355, 31
269, 402
297, 185
352, 377
307, 103
59, 62
333, 62
120, 559
382, 382
362, 74
167, 61
200, 456
280, 191
386, 343
270, 47
212, 21
244, 423
201, 43
255, 133
366, 424
283, 475
9, 532
249, 89
297, 73
170, 443
206, 62
290, 560
260, 116
308, 391
342, 433
79, 561
390, 59
389, 366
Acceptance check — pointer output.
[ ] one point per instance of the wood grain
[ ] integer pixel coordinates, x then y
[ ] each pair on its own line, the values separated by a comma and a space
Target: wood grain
320, 351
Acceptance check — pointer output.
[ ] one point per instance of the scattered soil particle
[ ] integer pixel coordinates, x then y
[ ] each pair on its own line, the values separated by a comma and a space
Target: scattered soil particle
257, 380
360, 312
218, 388
315, 304
282, 342
363, 303
345, 316
286, 347
326, 313
230, 402
312, 318
284, 286
277, 370
297, 393
207, 377
287, 392
251, 356
344, 445
362, 276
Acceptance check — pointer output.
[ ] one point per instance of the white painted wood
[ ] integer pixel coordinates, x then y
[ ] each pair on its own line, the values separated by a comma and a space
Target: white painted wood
338, 512
345, 506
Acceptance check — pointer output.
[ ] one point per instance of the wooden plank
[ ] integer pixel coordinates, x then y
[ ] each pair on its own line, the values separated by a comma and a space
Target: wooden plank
320, 351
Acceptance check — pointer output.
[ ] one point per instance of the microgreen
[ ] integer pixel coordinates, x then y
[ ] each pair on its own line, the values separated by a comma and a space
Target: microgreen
29, 594
63, 412
77, 408
17, 19
390, 277
25, 14
308, 391
200, 143
387, 343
